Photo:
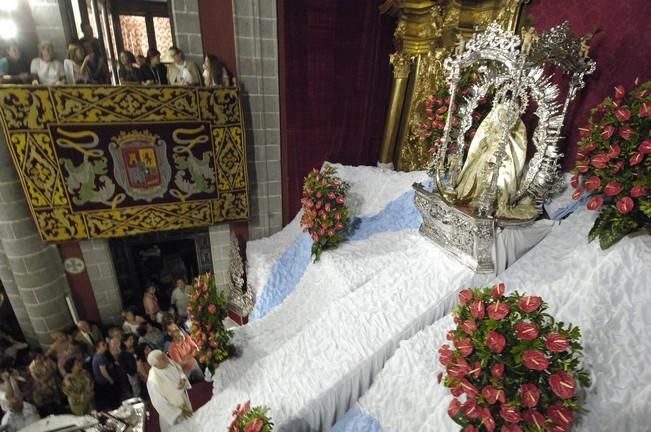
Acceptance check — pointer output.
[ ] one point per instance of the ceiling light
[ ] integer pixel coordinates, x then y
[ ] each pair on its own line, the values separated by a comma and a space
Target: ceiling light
8, 29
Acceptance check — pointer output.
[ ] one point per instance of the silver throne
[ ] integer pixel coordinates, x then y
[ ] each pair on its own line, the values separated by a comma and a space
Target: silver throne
517, 74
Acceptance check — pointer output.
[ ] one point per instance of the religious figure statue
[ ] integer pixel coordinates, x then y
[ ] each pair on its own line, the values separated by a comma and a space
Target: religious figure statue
528, 38
477, 170
492, 187
460, 45
584, 49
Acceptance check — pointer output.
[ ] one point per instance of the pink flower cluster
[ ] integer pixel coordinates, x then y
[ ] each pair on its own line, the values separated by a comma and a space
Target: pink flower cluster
247, 419
612, 162
325, 215
511, 368
207, 310
437, 108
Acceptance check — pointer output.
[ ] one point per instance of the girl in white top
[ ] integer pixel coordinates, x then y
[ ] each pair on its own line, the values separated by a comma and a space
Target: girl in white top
76, 65
215, 73
45, 68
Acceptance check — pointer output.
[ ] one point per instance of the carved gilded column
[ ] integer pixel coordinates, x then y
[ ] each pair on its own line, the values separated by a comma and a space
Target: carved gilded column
426, 33
401, 69
419, 25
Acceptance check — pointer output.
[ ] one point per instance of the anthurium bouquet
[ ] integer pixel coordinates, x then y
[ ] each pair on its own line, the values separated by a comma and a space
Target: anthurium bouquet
208, 310
325, 216
436, 113
612, 164
247, 419
512, 366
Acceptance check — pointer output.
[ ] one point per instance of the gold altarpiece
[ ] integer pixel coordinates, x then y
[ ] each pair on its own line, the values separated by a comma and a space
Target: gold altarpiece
426, 33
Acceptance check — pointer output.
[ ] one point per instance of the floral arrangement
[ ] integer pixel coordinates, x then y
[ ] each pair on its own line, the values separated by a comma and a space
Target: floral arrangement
208, 310
517, 367
436, 110
247, 419
612, 164
325, 216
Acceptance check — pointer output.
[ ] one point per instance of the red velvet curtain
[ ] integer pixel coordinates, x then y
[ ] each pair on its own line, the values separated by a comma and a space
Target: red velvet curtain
334, 86
621, 50
335, 77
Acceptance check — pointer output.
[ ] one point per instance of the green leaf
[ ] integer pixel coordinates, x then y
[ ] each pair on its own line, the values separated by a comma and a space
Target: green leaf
645, 206
617, 232
596, 228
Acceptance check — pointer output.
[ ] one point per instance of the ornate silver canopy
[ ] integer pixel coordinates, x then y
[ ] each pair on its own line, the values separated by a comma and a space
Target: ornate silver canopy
518, 73
240, 297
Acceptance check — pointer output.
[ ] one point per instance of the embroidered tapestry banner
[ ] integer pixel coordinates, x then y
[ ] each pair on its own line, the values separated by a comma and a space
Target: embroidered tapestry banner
100, 162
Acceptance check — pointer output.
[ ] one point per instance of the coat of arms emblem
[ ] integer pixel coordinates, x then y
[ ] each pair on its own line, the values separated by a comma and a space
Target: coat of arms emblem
140, 164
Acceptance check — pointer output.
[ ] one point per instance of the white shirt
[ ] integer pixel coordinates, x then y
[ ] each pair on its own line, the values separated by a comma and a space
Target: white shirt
17, 421
184, 74
73, 74
4, 403
48, 72
181, 299
205, 77
131, 328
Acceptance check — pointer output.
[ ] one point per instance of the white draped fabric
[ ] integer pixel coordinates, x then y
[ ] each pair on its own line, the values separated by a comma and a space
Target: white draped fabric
318, 373
513, 242
343, 270
371, 190
317, 352
606, 293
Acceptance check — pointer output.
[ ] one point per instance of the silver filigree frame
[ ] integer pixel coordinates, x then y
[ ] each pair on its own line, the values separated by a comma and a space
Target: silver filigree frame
240, 297
465, 237
523, 76
519, 78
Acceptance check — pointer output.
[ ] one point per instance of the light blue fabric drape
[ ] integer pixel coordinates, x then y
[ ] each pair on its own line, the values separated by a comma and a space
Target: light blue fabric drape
287, 271
357, 421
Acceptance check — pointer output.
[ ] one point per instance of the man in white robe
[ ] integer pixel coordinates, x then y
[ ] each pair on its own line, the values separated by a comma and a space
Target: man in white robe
168, 390
19, 415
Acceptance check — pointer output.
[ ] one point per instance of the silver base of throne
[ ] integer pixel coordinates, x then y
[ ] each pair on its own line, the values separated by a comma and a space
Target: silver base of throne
469, 238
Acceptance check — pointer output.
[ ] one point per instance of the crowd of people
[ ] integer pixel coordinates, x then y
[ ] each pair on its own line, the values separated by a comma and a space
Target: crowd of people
85, 63
88, 369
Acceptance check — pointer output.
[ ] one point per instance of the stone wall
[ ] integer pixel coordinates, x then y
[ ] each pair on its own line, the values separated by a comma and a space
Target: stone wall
16, 302
220, 240
256, 40
187, 33
99, 265
31, 269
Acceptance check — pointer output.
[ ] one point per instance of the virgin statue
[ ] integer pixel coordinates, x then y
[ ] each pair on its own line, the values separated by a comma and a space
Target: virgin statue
476, 173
